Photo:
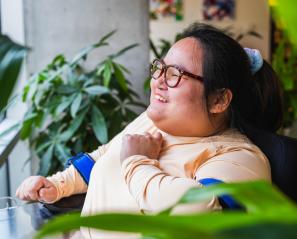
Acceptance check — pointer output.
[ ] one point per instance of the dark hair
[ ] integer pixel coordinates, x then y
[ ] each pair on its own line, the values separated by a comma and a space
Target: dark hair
257, 98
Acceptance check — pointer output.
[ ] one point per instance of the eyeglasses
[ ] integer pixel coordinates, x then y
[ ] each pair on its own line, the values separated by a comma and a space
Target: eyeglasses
172, 73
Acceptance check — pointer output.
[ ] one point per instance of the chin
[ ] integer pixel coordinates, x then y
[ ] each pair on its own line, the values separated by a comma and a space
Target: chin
158, 117
155, 114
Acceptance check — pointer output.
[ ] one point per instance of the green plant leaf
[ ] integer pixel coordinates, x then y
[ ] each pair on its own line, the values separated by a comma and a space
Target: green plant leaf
96, 90
45, 162
260, 231
84, 52
123, 68
147, 84
104, 38
245, 193
75, 105
170, 227
74, 125
25, 92
11, 57
200, 225
40, 117
41, 147
99, 125
286, 12
120, 77
122, 51
62, 153
58, 62
10, 129
12, 101
65, 102
66, 89
107, 73
27, 125
211, 225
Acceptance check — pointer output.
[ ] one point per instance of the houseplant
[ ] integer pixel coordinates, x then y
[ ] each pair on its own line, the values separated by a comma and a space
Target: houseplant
11, 58
284, 62
284, 57
74, 109
271, 215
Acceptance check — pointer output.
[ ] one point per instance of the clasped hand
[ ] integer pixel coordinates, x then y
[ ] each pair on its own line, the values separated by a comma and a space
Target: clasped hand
135, 144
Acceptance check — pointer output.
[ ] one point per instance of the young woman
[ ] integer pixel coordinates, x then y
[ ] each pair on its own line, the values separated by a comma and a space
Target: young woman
203, 93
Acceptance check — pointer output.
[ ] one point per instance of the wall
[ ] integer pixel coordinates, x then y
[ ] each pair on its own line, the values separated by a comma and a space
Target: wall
55, 26
251, 14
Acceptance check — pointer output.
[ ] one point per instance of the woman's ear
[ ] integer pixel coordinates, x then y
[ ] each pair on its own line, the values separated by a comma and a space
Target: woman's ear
219, 102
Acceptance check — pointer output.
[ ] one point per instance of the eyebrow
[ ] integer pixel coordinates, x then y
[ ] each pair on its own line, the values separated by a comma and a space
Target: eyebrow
182, 67
185, 72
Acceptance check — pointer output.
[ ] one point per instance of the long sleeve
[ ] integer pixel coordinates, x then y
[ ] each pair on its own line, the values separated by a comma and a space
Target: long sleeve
240, 165
155, 190
69, 181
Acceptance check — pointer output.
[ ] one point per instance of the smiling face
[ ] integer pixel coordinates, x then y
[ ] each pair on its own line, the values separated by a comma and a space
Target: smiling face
181, 111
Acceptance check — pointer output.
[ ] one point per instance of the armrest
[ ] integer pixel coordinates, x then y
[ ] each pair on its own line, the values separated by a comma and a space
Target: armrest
65, 205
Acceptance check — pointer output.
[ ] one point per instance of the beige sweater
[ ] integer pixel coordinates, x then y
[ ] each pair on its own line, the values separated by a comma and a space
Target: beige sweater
150, 185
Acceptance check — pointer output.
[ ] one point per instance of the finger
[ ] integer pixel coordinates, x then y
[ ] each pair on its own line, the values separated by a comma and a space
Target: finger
47, 194
33, 187
43, 194
22, 194
25, 196
33, 195
158, 136
147, 135
47, 183
17, 193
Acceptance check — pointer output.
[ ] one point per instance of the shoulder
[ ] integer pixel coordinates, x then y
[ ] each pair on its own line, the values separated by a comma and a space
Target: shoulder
236, 163
234, 158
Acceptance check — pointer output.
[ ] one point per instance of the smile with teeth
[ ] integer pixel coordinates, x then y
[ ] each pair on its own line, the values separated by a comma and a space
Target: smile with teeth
160, 98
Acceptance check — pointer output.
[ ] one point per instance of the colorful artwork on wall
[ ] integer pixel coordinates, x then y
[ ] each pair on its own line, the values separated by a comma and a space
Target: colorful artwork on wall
218, 9
166, 9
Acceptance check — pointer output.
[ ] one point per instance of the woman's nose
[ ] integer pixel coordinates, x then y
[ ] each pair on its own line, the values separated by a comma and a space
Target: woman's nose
160, 82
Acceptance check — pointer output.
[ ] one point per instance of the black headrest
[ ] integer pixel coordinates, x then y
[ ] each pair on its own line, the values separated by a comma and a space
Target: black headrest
282, 154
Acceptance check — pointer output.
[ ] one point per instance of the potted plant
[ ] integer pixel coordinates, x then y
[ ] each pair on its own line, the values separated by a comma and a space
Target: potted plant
74, 109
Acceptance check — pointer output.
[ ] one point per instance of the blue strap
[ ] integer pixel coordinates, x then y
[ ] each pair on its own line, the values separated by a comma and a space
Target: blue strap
226, 199
83, 164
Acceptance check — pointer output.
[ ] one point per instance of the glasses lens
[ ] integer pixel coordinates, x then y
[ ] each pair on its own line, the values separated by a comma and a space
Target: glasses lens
172, 76
156, 69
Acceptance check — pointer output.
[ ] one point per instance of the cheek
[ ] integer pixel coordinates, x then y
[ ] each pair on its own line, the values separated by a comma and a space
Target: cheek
192, 98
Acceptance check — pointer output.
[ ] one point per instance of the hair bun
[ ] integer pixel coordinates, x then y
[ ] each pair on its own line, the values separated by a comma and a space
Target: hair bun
255, 58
